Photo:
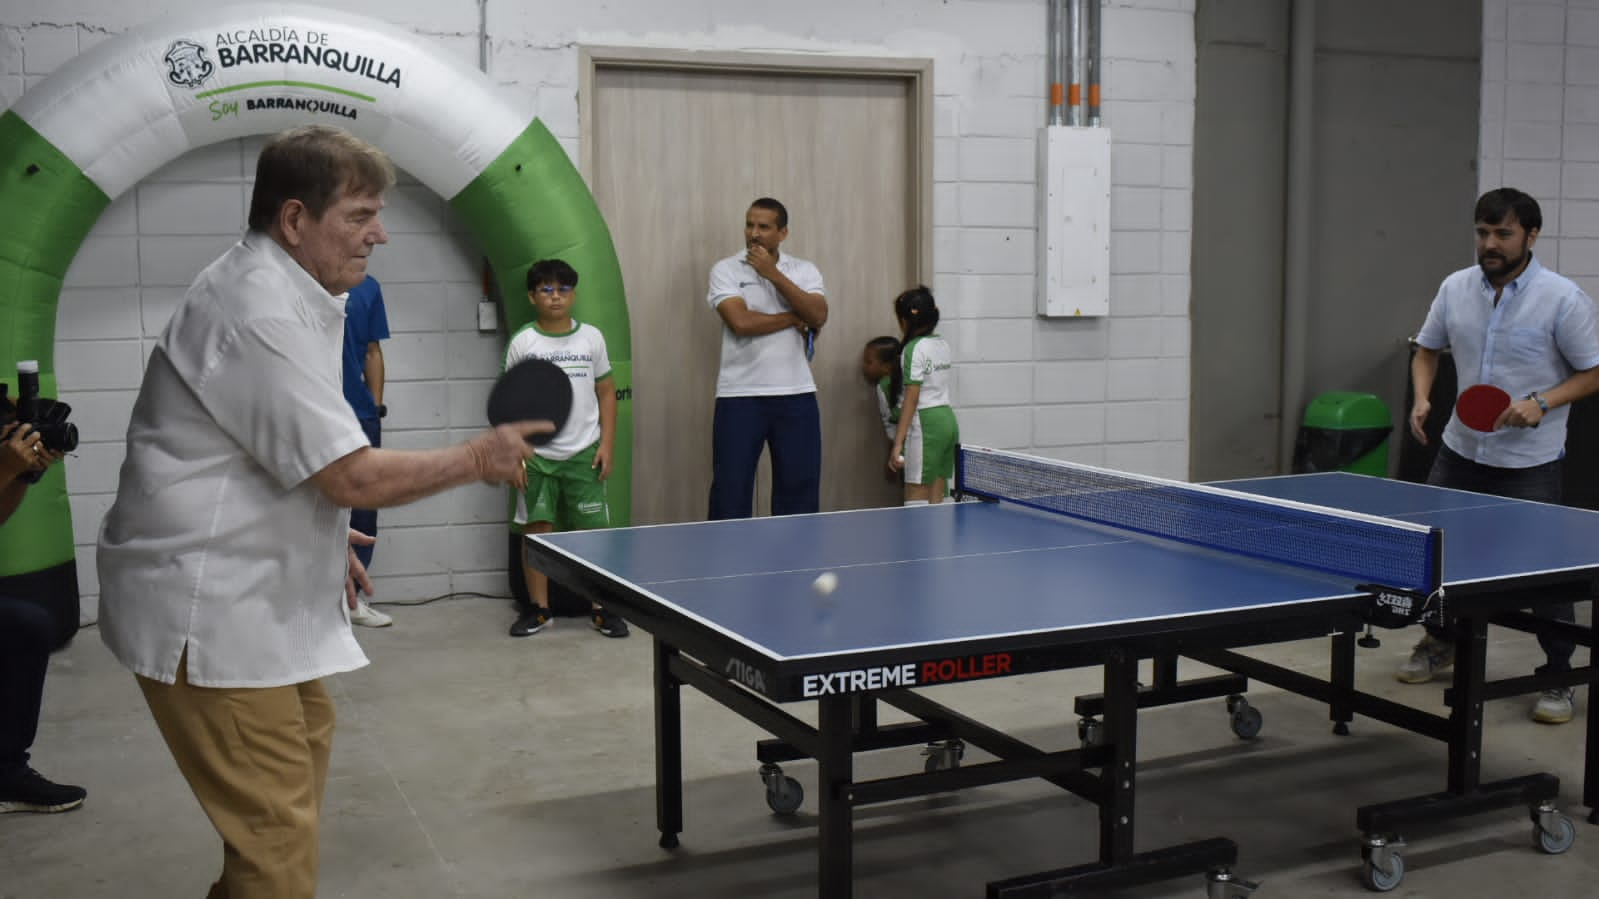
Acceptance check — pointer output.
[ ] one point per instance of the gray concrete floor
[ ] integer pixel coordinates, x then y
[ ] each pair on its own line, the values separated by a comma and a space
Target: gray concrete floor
468, 764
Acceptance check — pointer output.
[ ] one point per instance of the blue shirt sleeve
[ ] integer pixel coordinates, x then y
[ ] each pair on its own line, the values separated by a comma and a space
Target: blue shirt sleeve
377, 324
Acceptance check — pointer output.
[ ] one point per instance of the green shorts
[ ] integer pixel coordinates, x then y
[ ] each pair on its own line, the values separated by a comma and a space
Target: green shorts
568, 493
930, 446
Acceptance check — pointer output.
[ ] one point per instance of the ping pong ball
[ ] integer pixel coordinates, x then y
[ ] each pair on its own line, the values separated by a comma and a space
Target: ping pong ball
825, 583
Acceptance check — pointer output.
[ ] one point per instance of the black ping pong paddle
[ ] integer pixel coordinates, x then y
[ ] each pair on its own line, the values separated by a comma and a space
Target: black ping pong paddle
532, 390
1480, 405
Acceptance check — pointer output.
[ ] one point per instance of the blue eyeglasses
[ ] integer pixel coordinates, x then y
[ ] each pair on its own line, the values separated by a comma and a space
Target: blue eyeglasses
551, 289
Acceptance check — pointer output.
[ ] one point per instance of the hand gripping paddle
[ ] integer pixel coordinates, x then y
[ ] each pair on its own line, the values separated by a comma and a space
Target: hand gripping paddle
532, 390
1480, 405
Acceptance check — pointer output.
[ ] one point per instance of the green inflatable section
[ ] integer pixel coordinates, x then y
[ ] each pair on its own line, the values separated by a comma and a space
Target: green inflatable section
47, 207
532, 204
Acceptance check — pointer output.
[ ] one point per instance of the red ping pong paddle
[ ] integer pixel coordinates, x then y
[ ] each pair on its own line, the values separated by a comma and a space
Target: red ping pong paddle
532, 390
1480, 405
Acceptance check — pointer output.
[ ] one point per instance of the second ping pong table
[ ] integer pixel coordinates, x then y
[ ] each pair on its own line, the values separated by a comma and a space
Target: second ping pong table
1042, 577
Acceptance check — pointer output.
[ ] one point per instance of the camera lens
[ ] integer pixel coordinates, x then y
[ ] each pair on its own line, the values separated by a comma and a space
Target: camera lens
60, 437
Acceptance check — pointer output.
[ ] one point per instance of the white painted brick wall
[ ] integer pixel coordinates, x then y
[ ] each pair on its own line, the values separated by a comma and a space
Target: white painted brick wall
1540, 122
995, 250
986, 296
1133, 379
1137, 295
996, 205
991, 159
1022, 382
1136, 208
1580, 180
997, 384
1537, 23
1175, 292
1069, 382
1135, 253
1069, 424
46, 47
1133, 338
1161, 458
1581, 257
1581, 26
1004, 427
1133, 422
1069, 339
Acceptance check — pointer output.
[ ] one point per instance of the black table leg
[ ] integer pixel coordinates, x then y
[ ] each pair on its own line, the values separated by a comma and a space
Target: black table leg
834, 777
1342, 679
1121, 736
1465, 714
1590, 773
668, 747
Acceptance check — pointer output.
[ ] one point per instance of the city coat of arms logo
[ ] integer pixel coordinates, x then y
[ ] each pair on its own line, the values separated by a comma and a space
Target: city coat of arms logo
187, 65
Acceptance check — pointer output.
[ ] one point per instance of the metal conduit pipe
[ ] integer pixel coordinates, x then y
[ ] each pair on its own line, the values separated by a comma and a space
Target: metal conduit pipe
1094, 9
483, 35
1057, 96
1074, 39
1297, 223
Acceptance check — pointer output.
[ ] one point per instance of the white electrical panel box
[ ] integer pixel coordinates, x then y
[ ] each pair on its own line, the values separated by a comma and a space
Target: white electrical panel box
1073, 221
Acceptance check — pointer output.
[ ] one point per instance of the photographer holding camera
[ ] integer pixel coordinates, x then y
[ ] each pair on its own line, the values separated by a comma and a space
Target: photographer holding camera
26, 635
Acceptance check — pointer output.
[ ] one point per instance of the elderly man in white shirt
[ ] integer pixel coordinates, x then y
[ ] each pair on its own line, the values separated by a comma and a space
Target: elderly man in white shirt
1517, 325
222, 557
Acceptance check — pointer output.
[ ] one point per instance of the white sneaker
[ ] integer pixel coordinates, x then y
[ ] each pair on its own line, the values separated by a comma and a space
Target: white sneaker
366, 616
1554, 706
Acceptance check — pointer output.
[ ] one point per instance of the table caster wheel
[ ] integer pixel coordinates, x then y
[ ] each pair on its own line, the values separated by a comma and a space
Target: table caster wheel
784, 795
1384, 866
1223, 884
944, 755
1090, 732
1557, 839
1380, 880
1246, 719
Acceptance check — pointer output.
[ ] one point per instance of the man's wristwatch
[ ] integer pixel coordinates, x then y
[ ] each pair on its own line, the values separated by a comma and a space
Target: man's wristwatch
383, 411
1543, 406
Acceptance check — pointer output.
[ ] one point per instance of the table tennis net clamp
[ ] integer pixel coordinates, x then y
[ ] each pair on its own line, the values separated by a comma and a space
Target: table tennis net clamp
1399, 563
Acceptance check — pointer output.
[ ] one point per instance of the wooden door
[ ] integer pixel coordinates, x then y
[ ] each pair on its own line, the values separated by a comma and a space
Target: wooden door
676, 156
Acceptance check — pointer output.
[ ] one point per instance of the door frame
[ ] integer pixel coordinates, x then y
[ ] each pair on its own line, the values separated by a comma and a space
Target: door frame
915, 72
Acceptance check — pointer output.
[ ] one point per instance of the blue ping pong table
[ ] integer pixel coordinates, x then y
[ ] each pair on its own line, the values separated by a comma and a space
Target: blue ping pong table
1026, 583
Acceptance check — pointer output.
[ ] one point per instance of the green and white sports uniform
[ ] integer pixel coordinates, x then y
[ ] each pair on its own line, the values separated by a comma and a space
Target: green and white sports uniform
931, 438
889, 411
563, 486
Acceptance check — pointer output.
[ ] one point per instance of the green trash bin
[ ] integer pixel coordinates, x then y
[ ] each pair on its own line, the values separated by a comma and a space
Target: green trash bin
1344, 432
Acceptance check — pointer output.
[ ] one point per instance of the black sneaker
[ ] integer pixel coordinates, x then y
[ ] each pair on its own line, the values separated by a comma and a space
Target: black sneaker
24, 790
608, 624
530, 622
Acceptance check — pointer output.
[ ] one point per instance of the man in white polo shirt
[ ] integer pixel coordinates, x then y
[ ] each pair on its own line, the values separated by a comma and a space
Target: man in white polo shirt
222, 559
771, 305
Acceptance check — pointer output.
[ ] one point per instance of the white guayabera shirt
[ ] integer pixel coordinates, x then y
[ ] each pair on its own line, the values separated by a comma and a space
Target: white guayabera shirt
217, 540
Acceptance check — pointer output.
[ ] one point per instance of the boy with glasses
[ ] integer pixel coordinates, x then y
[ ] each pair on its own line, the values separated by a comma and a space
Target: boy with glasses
566, 476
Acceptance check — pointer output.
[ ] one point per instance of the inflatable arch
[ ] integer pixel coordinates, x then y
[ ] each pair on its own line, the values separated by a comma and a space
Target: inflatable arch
126, 107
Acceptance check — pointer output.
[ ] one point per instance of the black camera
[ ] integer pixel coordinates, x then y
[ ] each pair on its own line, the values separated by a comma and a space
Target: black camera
48, 417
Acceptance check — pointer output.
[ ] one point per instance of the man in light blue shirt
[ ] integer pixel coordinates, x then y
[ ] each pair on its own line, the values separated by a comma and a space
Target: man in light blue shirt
1512, 323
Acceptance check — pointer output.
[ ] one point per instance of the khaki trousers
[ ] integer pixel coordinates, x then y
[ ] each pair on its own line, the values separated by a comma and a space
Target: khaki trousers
257, 760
